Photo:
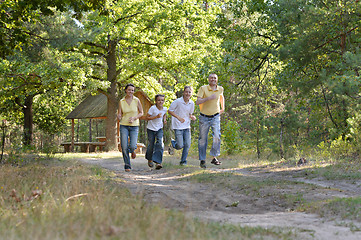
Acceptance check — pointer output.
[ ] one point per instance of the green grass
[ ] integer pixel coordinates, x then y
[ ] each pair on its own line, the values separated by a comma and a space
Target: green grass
330, 169
59, 200
288, 194
340, 209
75, 156
346, 208
254, 186
338, 171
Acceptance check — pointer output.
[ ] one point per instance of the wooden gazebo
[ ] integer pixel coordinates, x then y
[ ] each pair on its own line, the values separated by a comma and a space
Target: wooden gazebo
95, 107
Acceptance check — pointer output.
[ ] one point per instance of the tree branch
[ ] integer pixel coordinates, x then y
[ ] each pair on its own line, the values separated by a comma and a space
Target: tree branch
146, 43
338, 36
255, 69
130, 16
21, 76
100, 54
17, 101
96, 78
264, 59
118, 71
26, 32
328, 107
103, 92
95, 45
149, 83
132, 75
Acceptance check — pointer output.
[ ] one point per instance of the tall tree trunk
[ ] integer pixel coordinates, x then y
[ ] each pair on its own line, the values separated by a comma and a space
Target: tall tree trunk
258, 143
345, 116
3, 127
308, 121
28, 120
112, 98
258, 131
281, 139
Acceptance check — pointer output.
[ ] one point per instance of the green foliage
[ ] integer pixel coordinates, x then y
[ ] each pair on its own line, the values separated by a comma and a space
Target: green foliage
294, 61
290, 69
159, 45
50, 77
16, 15
315, 46
338, 147
355, 131
231, 136
156, 46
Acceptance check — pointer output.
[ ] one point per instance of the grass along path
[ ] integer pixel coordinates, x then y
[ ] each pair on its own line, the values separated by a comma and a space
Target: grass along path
50, 199
267, 197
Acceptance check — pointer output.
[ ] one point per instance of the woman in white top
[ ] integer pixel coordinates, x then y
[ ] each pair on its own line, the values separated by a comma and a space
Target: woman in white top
181, 111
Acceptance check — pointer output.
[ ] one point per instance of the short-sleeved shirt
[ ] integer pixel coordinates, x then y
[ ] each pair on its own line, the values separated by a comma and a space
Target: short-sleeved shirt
157, 123
183, 110
129, 110
210, 107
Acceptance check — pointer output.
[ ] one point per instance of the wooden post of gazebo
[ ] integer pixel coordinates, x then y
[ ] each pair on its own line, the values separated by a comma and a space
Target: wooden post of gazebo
72, 135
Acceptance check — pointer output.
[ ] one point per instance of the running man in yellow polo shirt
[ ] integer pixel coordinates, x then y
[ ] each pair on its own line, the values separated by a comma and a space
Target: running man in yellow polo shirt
211, 104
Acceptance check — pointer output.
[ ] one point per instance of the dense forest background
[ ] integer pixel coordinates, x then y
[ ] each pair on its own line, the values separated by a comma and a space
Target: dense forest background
290, 68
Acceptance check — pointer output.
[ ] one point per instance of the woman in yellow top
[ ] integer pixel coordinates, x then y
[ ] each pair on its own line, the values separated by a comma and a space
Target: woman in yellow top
129, 112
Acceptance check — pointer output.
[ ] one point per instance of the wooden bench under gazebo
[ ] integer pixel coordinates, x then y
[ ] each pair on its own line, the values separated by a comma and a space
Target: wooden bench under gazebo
84, 146
95, 107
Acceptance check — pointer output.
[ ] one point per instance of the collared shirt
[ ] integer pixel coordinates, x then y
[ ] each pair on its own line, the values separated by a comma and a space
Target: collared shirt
183, 110
212, 106
157, 123
129, 110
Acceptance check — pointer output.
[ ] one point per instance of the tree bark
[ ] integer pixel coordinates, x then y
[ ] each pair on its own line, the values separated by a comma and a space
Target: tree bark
258, 143
28, 120
3, 127
281, 139
258, 132
112, 98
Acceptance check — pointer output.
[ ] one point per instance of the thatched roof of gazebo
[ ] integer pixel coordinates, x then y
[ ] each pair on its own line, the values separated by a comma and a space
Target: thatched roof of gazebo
91, 107
96, 106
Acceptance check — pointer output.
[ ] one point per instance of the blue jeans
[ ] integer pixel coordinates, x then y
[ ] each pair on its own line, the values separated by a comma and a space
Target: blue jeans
155, 146
182, 140
131, 133
205, 123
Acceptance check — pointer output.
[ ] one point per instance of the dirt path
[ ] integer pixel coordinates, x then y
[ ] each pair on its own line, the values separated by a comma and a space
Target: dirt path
164, 187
